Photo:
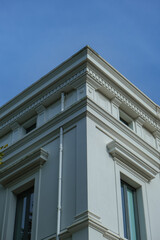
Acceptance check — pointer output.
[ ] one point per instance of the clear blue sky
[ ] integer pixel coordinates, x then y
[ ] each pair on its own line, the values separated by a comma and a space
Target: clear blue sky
37, 35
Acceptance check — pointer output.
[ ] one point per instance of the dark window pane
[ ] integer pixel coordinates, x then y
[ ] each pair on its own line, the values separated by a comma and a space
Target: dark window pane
29, 129
124, 121
23, 216
23, 221
124, 213
129, 210
30, 215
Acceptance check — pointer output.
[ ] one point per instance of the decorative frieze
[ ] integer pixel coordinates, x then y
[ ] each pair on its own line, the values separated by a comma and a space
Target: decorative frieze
87, 90
43, 98
123, 99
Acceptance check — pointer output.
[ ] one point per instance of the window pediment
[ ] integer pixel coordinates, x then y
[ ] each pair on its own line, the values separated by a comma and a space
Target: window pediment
9, 170
138, 163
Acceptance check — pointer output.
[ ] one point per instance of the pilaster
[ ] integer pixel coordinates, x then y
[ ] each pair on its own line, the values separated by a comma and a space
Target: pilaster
115, 103
41, 118
139, 126
156, 134
17, 132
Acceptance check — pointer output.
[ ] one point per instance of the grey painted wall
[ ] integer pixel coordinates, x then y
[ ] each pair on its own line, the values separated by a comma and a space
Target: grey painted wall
99, 151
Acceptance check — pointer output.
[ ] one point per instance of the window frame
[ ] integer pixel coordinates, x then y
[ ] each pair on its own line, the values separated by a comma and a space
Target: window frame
127, 174
7, 231
19, 213
30, 125
126, 119
125, 210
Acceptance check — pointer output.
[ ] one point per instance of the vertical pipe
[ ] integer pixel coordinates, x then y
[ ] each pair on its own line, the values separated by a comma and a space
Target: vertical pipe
62, 101
60, 173
59, 184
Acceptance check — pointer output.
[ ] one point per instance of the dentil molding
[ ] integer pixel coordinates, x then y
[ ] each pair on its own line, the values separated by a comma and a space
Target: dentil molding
44, 98
100, 81
123, 99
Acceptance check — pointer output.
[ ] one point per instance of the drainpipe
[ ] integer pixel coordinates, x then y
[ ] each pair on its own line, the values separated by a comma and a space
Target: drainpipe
60, 173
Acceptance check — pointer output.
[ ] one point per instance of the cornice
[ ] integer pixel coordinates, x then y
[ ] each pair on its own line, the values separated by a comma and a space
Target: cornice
103, 66
11, 170
122, 98
138, 163
99, 81
51, 77
42, 99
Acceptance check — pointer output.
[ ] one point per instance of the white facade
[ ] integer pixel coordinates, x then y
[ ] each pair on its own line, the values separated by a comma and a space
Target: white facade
77, 133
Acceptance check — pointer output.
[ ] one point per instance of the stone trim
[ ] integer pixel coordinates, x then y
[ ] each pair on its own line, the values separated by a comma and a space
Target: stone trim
9, 170
82, 108
40, 101
89, 219
123, 99
100, 81
137, 163
107, 124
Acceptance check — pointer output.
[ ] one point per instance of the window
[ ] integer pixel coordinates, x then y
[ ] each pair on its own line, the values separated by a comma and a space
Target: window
126, 119
30, 125
30, 128
130, 212
23, 220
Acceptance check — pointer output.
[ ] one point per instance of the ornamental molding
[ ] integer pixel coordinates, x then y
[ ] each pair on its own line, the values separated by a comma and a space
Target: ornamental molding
109, 125
136, 162
88, 219
11, 170
45, 134
41, 100
123, 98
99, 81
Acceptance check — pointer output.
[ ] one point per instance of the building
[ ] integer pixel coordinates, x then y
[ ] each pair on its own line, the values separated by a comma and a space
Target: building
83, 161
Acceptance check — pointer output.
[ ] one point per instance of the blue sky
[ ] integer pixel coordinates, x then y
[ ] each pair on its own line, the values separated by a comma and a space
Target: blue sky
37, 35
